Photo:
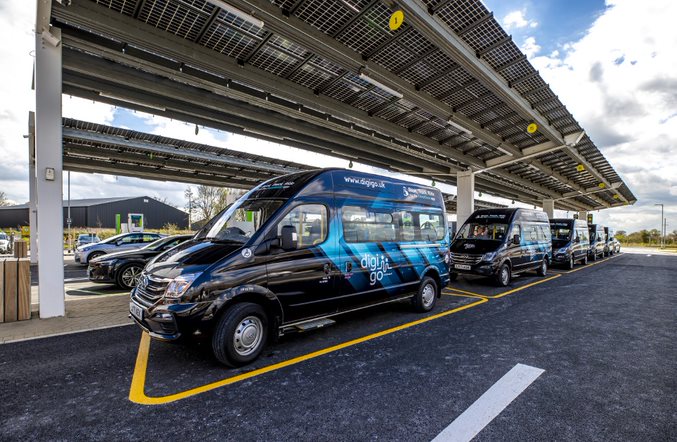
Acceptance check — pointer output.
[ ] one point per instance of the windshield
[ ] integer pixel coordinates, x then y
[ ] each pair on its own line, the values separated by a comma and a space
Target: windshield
113, 238
2, 236
561, 233
240, 221
483, 230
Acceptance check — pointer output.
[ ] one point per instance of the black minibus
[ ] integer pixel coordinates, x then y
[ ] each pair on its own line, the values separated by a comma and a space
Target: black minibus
597, 241
570, 241
502, 243
293, 252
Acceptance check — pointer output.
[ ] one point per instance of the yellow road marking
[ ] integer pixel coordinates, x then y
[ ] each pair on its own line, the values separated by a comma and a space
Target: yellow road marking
500, 295
466, 292
590, 264
138, 395
137, 389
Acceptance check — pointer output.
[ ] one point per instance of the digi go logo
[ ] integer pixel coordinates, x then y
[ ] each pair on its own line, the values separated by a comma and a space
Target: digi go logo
377, 265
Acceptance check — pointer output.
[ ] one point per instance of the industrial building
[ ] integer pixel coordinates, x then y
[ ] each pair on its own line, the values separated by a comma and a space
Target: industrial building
100, 212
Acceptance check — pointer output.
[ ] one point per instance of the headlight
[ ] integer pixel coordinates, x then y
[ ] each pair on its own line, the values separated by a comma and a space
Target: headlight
104, 262
178, 286
563, 250
489, 256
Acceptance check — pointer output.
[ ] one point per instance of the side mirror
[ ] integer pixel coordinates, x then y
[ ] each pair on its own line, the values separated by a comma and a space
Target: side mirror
516, 239
288, 238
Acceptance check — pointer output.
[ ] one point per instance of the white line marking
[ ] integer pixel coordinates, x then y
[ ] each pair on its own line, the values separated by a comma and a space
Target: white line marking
490, 404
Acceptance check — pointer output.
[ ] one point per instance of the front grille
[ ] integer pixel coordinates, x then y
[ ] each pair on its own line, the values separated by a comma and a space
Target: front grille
150, 289
464, 258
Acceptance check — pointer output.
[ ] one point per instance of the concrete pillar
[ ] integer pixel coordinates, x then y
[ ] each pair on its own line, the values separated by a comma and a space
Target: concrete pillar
465, 201
32, 190
583, 216
549, 208
48, 169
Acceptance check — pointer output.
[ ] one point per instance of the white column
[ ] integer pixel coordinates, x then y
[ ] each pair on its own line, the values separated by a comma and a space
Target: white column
32, 190
549, 208
465, 201
583, 216
48, 168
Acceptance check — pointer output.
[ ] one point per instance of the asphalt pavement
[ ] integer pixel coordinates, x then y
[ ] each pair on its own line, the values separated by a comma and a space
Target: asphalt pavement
604, 335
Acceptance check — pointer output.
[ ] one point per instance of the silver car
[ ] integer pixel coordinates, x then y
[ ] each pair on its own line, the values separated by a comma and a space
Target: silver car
4, 243
117, 243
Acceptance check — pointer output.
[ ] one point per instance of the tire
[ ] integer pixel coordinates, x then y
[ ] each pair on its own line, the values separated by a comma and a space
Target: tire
94, 255
128, 276
425, 299
504, 275
453, 276
543, 268
240, 334
594, 256
571, 263
585, 259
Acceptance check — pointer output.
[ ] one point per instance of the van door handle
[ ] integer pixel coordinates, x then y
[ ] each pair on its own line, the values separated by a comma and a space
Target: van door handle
349, 266
327, 268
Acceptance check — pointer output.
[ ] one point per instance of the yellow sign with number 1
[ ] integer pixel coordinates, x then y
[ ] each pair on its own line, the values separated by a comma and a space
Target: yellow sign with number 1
396, 20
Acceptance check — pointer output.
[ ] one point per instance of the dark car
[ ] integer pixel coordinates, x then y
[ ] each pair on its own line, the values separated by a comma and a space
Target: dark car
570, 241
502, 243
597, 241
291, 254
124, 268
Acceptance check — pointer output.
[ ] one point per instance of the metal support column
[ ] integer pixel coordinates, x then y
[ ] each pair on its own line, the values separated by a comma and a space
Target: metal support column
48, 166
32, 191
549, 208
465, 201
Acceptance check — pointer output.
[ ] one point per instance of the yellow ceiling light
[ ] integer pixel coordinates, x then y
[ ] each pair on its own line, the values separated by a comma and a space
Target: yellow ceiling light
396, 20
601, 185
532, 128
580, 168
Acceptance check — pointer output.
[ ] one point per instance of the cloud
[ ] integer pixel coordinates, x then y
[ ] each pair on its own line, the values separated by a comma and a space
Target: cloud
530, 47
516, 20
619, 82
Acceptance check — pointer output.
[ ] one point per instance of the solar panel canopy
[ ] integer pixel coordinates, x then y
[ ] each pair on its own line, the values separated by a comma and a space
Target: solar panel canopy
446, 91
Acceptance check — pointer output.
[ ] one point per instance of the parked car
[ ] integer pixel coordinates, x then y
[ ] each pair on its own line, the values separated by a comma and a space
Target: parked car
617, 245
124, 268
570, 241
597, 241
609, 241
291, 254
117, 243
86, 238
502, 243
4, 243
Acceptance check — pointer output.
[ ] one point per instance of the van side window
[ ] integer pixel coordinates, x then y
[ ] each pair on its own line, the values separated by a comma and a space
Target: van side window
310, 222
432, 226
367, 225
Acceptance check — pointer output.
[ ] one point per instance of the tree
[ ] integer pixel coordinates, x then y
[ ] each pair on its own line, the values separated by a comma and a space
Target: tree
3, 199
208, 201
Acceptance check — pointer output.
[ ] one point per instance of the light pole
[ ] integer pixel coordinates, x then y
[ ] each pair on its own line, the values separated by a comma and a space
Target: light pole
662, 226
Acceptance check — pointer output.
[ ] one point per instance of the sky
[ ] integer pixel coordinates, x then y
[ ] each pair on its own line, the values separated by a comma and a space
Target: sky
613, 64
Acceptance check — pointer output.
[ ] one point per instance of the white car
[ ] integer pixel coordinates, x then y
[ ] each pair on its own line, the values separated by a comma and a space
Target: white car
4, 243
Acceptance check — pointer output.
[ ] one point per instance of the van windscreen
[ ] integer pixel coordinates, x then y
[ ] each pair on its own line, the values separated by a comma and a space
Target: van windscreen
241, 221
560, 232
484, 230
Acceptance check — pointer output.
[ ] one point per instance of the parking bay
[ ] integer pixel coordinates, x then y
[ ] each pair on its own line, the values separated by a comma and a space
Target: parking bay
604, 336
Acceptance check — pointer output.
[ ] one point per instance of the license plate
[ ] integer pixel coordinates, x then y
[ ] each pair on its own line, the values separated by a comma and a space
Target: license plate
136, 311
462, 266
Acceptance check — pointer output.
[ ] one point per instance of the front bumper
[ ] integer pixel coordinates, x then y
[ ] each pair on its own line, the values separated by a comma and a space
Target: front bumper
97, 272
169, 322
561, 258
483, 268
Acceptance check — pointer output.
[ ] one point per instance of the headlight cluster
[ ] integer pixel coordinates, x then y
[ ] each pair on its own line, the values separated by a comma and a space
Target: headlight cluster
179, 285
489, 256
563, 250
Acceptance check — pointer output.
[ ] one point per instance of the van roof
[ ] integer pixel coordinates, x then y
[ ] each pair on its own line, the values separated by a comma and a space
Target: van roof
350, 183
